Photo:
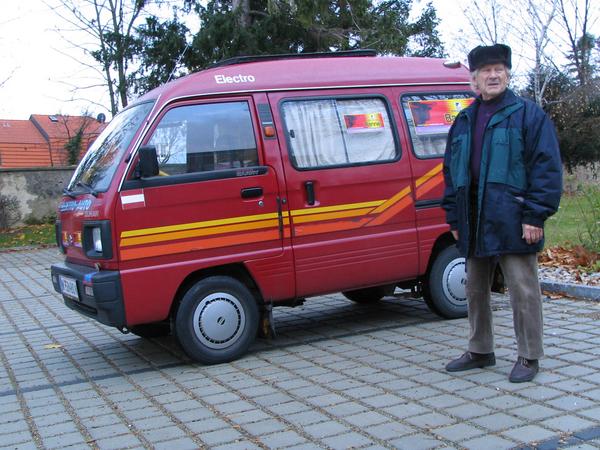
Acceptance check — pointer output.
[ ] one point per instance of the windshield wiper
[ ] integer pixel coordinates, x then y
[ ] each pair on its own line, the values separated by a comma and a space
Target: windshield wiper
87, 188
68, 193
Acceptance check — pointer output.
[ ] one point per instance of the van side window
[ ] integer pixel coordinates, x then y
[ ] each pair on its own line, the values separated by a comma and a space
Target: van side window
205, 137
338, 132
429, 118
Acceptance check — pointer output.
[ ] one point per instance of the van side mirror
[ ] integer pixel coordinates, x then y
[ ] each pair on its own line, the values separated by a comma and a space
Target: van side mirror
148, 163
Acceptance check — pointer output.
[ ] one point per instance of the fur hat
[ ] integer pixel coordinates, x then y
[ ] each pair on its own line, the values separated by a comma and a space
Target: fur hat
492, 54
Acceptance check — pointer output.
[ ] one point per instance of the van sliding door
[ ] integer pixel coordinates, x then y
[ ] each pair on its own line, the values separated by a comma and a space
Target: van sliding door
348, 189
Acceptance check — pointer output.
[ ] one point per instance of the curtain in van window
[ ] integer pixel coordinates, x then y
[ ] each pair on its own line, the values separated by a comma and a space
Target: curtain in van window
333, 132
314, 133
372, 140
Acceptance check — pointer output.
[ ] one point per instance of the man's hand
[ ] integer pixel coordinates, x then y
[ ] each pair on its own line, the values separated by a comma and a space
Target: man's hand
454, 234
532, 234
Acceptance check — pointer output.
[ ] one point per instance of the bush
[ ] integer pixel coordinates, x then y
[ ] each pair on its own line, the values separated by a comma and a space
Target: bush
9, 211
589, 205
49, 219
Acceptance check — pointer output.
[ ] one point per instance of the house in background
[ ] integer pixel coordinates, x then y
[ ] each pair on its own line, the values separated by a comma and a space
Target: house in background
40, 141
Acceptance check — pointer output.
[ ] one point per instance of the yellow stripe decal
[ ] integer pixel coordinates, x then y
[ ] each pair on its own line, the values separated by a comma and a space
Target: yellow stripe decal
332, 215
383, 209
432, 173
344, 207
395, 199
194, 225
200, 232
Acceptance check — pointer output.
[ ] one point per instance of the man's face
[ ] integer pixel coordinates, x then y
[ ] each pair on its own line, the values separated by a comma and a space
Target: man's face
491, 80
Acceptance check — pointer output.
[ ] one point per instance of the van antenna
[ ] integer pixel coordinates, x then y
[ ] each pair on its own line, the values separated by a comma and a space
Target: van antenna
178, 61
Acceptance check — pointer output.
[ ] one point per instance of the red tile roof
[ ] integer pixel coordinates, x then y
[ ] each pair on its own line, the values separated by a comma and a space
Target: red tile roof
19, 132
61, 127
40, 141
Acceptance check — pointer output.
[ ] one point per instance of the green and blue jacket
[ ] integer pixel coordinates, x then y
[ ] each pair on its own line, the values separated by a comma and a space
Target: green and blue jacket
520, 177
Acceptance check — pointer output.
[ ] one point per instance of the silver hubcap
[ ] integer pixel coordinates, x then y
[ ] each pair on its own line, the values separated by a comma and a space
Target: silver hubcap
219, 320
455, 282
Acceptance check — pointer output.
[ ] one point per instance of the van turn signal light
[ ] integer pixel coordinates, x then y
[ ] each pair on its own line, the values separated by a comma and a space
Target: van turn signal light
269, 130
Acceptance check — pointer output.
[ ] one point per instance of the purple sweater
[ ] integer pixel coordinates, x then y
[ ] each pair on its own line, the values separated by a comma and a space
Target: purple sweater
485, 111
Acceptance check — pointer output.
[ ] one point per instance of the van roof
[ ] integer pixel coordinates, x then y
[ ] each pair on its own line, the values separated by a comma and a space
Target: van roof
317, 72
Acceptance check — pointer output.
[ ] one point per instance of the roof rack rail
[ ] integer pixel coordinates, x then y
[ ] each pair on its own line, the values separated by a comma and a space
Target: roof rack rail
255, 58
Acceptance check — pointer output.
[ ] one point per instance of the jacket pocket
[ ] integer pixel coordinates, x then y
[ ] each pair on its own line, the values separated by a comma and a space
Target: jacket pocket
503, 220
506, 158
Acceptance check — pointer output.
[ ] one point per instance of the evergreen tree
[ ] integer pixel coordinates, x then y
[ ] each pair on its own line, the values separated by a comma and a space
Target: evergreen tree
161, 48
253, 27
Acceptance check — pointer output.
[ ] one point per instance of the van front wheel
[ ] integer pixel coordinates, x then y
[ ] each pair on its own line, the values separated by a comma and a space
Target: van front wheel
444, 289
217, 320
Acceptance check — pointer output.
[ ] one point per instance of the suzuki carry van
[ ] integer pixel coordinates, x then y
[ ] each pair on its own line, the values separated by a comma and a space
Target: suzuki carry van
259, 182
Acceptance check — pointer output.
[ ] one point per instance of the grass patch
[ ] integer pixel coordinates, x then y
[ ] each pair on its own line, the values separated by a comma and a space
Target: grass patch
28, 235
564, 227
573, 224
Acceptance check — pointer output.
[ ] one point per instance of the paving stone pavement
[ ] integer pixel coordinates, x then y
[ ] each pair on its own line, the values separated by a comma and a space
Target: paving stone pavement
339, 375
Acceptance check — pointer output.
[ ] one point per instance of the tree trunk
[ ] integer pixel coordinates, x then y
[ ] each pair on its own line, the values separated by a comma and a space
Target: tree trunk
244, 5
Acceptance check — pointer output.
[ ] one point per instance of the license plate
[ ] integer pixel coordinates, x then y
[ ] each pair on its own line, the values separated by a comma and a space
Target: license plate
68, 286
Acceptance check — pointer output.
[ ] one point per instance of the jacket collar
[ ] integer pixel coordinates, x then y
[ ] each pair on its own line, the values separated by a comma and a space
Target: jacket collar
510, 103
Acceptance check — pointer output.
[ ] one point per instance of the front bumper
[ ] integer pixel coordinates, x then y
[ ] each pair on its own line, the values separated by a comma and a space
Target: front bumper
96, 294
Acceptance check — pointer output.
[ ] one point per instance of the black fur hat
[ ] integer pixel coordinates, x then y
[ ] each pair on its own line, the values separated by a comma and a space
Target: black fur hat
492, 54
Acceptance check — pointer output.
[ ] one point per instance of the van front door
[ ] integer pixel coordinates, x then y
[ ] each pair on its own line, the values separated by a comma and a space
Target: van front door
213, 203
349, 194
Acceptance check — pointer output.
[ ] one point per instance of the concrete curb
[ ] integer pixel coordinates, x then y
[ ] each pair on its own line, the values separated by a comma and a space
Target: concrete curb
572, 290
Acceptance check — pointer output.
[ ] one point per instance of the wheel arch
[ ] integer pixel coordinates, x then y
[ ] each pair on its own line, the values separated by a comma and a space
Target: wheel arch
236, 271
443, 241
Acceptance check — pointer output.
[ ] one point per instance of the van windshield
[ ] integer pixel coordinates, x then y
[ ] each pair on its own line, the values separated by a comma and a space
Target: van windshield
96, 169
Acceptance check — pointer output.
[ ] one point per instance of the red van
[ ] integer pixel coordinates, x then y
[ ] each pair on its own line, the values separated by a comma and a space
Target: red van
259, 182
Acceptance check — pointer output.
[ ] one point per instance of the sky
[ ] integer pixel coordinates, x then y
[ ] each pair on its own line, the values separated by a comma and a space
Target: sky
39, 69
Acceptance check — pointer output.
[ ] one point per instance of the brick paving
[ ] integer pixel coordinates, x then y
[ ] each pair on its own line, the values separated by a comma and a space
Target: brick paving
339, 375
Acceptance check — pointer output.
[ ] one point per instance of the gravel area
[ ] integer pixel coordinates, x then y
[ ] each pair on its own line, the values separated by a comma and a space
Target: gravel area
566, 275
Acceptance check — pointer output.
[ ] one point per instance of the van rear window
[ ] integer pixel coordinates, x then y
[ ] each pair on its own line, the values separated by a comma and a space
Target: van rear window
338, 132
430, 117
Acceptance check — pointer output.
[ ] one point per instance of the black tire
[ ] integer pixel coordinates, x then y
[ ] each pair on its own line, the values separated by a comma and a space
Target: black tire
217, 320
152, 330
369, 295
444, 287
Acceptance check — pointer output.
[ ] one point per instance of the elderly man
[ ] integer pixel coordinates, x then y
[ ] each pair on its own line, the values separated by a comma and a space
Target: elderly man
503, 179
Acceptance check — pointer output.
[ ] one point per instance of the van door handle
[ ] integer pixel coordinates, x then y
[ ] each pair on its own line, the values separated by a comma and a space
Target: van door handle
310, 192
252, 192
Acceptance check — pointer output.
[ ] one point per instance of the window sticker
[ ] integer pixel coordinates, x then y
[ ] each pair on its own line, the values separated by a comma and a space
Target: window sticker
364, 123
436, 116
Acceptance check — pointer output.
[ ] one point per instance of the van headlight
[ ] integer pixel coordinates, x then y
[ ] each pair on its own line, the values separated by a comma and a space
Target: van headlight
97, 240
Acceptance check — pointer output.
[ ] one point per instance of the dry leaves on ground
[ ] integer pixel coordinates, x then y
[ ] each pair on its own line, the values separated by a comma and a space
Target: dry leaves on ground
570, 257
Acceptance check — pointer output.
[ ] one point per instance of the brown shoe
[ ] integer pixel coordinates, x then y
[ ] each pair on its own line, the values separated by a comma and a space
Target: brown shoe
524, 370
470, 360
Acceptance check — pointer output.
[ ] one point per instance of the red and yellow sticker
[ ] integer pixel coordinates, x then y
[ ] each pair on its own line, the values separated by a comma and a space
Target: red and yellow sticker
364, 123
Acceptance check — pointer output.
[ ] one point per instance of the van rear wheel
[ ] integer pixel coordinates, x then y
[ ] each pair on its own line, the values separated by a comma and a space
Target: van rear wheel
217, 320
444, 289
369, 295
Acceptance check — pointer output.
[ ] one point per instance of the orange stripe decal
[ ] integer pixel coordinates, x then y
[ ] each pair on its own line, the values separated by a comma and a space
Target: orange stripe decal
431, 184
386, 215
198, 232
305, 230
396, 198
332, 215
432, 173
199, 244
